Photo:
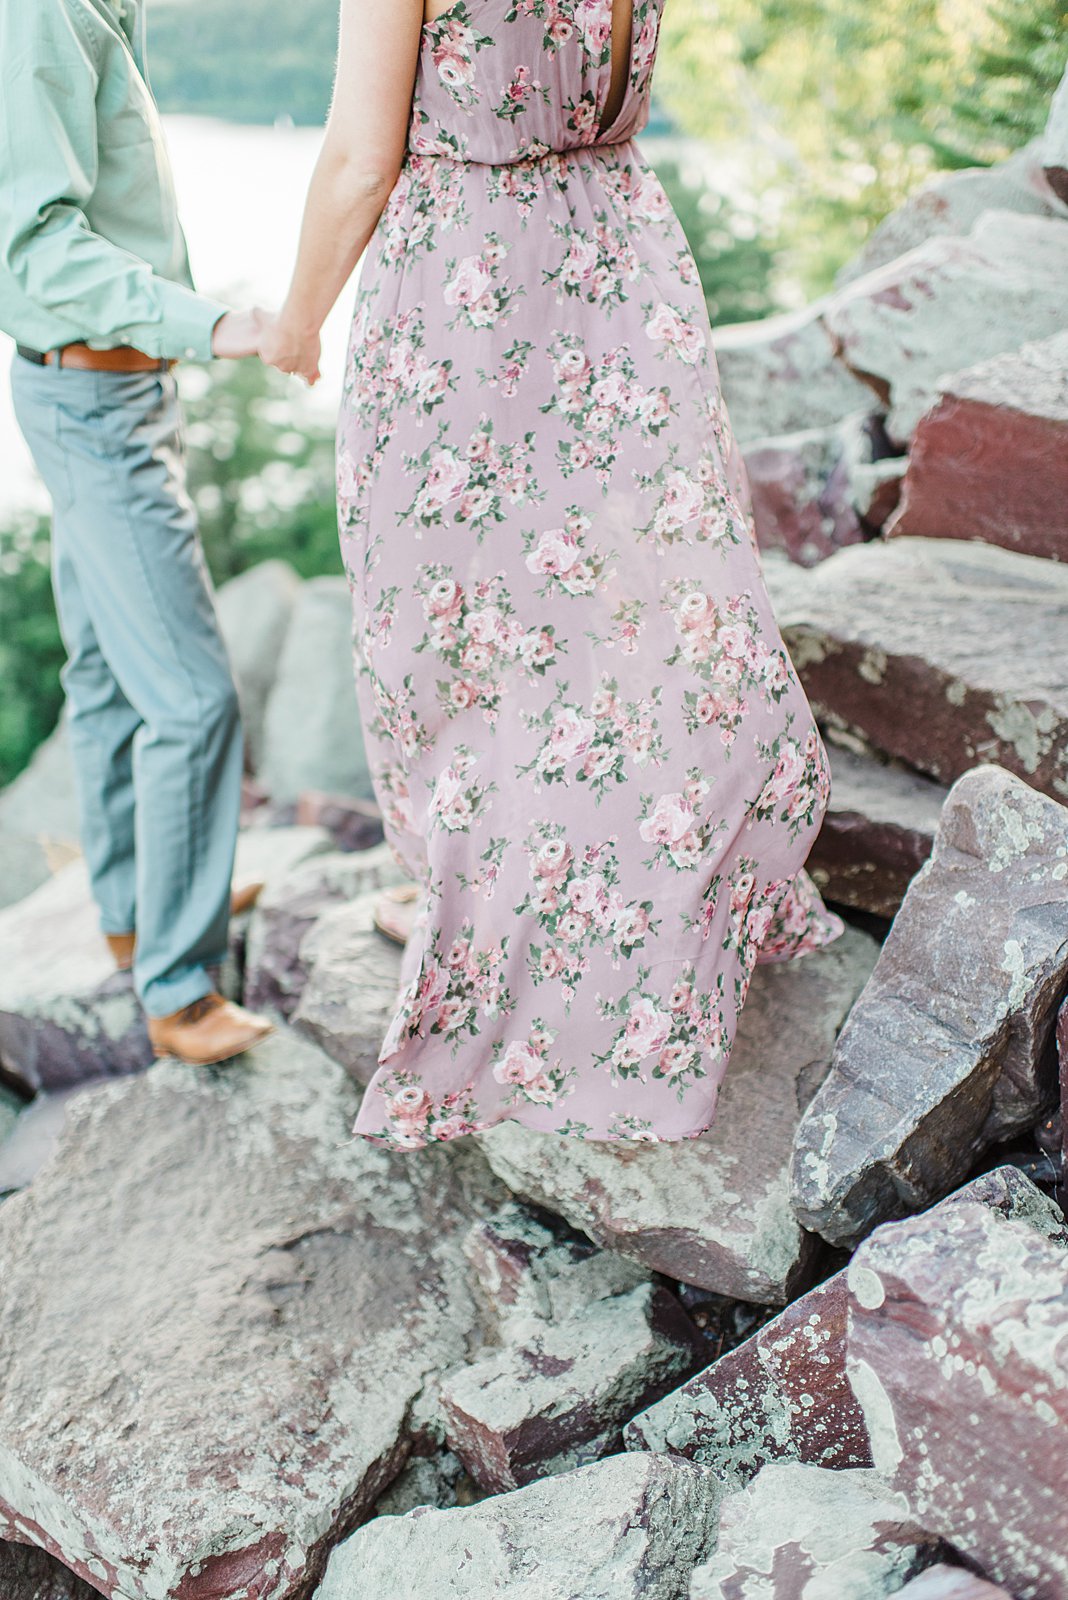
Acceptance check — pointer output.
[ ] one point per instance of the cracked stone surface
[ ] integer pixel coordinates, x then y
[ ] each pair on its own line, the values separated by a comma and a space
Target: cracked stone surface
807, 1533
558, 1400
27, 1574
877, 832
713, 1211
782, 1395
957, 1354
966, 637
217, 1317
629, 1528
952, 1583
780, 375
990, 459
949, 1049
275, 972
948, 303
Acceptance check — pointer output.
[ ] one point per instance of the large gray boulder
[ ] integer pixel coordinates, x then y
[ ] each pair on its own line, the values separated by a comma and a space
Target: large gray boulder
351, 990
713, 1211
877, 831
254, 612
947, 304
275, 972
953, 202
630, 1528
559, 1399
990, 459
26, 861
798, 1533
957, 1355
41, 802
312, 737
218, 1316
950, 1047
940, 652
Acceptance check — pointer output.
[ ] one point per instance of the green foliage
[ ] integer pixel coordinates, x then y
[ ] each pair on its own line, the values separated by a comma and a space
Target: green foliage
1010, 83
733, 247
31, 652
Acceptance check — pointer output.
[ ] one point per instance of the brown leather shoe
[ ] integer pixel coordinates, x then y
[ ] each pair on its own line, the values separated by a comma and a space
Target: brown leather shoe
121, 946
209, 1030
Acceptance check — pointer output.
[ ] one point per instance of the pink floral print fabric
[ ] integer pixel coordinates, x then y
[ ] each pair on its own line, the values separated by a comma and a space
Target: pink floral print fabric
588, 741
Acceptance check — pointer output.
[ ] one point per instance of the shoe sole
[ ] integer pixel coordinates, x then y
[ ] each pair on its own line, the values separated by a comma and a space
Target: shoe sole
213, 1061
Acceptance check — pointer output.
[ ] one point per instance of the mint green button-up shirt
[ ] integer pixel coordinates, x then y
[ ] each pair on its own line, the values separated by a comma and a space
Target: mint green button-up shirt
91, 249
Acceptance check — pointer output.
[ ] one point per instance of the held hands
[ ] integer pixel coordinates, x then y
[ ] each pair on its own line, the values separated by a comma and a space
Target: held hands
257, 333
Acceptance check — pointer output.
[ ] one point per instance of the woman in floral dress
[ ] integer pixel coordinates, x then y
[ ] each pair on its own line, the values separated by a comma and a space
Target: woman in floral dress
589, 744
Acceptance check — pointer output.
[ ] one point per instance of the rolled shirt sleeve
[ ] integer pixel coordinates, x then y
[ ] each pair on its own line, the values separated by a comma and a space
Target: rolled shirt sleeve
61, 280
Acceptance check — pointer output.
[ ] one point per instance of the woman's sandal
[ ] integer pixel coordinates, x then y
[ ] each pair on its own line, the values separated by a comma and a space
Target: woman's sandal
395, 912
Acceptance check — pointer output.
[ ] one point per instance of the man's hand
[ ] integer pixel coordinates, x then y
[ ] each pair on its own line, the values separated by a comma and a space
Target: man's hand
238, 334
290, 349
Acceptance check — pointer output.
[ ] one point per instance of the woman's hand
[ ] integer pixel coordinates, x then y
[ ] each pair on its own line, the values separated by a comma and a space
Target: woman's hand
237, 334
290, 350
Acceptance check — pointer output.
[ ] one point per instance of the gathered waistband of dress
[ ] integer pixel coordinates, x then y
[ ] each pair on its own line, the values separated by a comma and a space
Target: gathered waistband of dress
528, 159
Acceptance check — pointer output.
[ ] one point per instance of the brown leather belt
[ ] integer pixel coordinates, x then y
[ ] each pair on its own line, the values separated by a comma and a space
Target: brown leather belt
80, 357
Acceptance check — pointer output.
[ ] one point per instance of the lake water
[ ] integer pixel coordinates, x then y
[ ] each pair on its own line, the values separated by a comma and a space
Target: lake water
241, 193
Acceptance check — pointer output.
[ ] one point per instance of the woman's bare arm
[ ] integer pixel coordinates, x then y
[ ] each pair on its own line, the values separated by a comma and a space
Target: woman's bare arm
362, 151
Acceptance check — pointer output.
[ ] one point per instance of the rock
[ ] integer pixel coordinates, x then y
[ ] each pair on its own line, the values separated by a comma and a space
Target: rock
1055, 143
1062, 1057
70, 1017
1013, 1196
559, 1400
438, 1480
800, 1532
352, 824
877, 490
949, 303
351, 989
967, 636
951, 1583
41, 803
27, 1574
274, 972
633, 1526
526, 1275
312, 737
32, 1138
780, 375
877, 831
953, 202
802, 489
949, 1048
217, 1316
713, 1211
957, 1355
781, 1396
254, 612
990, 459
25, 863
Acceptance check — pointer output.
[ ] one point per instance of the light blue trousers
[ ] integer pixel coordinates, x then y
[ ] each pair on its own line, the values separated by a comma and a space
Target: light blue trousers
151, 705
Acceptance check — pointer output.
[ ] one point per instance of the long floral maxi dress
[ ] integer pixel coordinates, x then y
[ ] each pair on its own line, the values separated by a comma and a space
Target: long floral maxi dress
586, 736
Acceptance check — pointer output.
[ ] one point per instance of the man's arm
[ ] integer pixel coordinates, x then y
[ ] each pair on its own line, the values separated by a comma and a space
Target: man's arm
60, 282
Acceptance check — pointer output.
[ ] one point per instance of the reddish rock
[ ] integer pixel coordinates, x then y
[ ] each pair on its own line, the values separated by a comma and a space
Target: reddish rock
950, 302
1055, 143
957, 1354
1062, 1114
948, 1050
877, 490
559, 1400
951, 1583
352, 824
990, 459
781, 1396
802, 492
877, 832
27, 1574
941, 652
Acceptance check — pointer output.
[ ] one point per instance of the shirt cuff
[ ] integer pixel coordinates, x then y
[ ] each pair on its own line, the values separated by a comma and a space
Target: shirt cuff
187, 323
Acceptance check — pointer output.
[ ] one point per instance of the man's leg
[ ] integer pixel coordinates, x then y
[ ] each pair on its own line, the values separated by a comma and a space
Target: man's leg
101, 722
130, 533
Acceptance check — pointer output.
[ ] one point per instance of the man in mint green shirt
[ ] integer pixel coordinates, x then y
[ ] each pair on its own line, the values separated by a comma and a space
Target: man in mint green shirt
96, 290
